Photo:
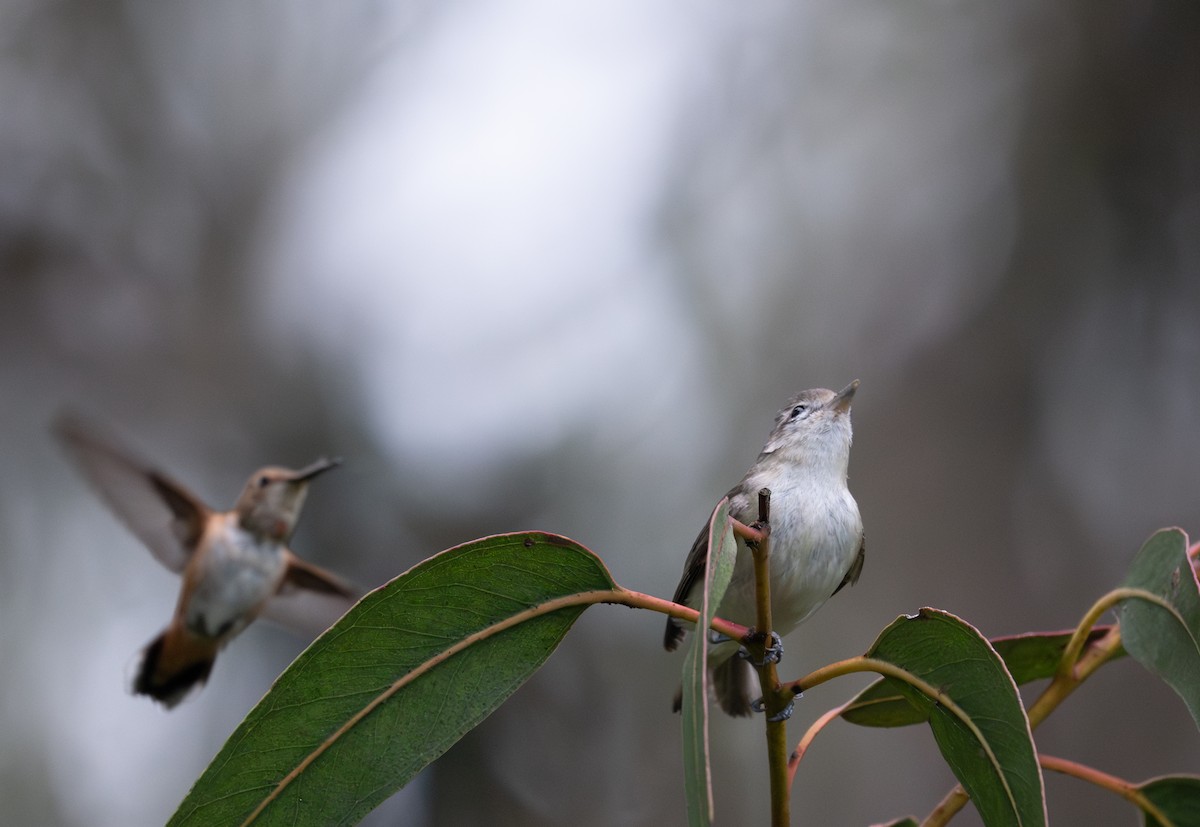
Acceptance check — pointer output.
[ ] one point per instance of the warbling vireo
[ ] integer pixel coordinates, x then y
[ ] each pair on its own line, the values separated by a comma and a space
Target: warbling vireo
816, 544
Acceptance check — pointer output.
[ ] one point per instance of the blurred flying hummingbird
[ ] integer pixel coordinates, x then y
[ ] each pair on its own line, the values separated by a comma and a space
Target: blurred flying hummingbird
235, 564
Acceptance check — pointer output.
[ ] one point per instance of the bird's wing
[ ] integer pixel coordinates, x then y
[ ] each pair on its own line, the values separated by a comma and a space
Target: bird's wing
697, 563
310, 599
693, 570
160, 512
855, 570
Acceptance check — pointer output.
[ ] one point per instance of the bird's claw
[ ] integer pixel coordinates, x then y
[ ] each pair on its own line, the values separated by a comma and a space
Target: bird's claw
781, 715
774, 652
771, 654
761, 529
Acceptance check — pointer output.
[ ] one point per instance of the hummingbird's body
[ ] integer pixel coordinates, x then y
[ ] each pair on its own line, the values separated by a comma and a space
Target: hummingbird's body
235, 564
816, 533
237, 576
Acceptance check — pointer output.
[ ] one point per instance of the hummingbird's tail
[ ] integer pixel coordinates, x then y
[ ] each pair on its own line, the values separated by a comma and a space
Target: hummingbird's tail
173, 664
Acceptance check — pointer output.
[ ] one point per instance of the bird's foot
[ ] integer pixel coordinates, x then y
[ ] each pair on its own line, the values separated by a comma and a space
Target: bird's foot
781, 715
771, 654
759, 531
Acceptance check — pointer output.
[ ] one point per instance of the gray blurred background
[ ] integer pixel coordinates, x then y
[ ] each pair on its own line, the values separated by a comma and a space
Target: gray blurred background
555, 266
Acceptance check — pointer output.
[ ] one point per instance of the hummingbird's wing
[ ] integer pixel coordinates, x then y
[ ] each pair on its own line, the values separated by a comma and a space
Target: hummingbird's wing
310, 599
159, 511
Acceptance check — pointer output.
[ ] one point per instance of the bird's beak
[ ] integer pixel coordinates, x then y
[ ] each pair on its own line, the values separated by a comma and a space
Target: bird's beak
841, 402
307, 473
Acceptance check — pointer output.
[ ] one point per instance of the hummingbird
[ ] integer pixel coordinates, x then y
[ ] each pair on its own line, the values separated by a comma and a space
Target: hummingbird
236, 565
817, 546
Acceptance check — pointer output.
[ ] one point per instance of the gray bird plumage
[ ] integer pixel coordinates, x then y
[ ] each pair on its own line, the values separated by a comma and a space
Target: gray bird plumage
816, 533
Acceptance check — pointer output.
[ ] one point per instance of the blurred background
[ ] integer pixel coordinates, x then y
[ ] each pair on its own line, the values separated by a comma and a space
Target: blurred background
555, 266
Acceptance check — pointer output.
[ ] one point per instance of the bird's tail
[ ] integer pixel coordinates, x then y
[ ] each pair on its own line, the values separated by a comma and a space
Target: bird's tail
735, 685
173, 664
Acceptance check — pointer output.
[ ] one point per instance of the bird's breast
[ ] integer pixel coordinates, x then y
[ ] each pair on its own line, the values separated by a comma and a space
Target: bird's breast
815, 535
237, 574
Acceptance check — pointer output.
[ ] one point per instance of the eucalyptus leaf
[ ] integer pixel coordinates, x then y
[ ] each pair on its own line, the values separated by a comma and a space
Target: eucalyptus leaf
1035, 656
1028, 657
982, 729
696, 764
1163, 632
1177, 797
400, 678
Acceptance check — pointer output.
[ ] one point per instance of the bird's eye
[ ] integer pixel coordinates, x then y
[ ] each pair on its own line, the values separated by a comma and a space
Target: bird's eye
264, 481
799, 409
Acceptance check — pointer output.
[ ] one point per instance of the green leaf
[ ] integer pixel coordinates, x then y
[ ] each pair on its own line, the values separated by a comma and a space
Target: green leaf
1027, 657
1162, 629
390, 687
1177, 796
697, 779
884, 704
1035, 656
981, 727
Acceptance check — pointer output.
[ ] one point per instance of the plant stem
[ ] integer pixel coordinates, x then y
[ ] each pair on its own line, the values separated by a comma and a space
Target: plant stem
1071, 654
637, 600
775, 700
1096, 655
954, 801
798, 753
1120, 786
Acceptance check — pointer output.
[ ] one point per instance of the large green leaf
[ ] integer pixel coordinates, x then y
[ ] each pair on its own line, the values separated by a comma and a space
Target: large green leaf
1162, 630
1177, 797
981, 728
1027, 657
697, 779
389, 688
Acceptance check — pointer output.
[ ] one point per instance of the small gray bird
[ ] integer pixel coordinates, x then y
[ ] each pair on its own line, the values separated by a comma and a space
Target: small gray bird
816, 544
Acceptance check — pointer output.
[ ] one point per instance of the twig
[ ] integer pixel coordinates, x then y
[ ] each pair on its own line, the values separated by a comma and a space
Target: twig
774, 700
1120, 786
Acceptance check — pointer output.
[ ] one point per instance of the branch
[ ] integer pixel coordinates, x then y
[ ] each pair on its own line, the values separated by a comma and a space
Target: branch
637, 600
805, 742
775, 701
1120, 786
